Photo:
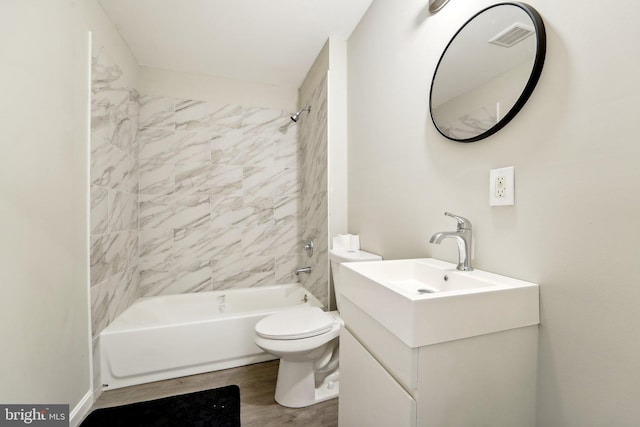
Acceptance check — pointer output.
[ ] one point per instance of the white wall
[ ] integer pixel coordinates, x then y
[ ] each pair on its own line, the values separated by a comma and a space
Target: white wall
157, 82
575, 226
337, 136
44, 317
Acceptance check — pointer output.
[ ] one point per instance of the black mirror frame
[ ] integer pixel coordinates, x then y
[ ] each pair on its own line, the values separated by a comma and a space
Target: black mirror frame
541, 50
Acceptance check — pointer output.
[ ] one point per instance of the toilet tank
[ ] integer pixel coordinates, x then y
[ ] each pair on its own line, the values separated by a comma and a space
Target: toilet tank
339, 256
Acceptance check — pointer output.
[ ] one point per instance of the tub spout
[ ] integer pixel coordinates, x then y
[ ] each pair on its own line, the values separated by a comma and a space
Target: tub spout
303, 270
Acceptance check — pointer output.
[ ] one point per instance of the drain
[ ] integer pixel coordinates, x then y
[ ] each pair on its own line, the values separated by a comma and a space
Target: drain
425, 291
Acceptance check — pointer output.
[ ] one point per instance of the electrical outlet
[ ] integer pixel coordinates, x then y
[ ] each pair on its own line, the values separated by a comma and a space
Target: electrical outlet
501, 187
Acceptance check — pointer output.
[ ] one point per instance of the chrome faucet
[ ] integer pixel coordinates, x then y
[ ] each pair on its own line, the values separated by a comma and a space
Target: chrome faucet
463, 238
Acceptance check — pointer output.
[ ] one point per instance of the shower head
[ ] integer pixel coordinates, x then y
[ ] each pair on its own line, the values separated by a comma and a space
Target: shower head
296, 116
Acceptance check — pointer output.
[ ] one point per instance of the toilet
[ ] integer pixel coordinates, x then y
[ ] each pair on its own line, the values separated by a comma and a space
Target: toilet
306, 341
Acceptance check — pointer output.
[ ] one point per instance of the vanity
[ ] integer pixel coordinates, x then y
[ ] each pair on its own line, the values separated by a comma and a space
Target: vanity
425, 344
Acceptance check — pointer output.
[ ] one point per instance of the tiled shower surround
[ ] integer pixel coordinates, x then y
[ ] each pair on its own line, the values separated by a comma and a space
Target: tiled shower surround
114, 191
313, 214
218, 196
192, 196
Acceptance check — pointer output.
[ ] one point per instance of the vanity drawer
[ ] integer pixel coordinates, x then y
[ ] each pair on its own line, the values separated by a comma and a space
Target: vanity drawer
400, 360
369, 395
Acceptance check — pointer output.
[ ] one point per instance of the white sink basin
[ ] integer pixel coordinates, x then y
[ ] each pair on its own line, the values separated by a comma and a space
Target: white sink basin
427, 301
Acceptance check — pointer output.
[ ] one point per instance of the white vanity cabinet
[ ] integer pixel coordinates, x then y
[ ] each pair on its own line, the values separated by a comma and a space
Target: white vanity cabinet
375, 398
485, 381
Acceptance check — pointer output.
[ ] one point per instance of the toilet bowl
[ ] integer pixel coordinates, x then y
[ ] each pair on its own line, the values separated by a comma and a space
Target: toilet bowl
306, 340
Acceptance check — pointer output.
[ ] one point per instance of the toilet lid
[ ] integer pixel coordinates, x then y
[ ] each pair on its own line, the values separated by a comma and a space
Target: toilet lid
294, 324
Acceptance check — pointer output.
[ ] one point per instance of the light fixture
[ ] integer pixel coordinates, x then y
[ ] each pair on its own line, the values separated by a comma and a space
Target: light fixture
436, 5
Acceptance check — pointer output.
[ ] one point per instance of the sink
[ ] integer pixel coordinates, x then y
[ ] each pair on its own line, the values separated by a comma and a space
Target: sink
427, 301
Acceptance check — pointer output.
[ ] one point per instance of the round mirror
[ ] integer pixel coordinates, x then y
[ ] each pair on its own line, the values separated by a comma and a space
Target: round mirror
487, 72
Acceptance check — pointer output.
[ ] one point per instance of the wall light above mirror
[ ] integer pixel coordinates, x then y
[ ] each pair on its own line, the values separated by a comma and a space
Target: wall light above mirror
436, 5
487, 71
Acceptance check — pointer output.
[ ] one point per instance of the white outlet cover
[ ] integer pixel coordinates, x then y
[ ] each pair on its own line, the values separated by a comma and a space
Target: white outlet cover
502, 187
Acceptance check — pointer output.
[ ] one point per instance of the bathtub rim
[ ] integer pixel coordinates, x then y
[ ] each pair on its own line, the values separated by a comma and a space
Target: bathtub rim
117, 326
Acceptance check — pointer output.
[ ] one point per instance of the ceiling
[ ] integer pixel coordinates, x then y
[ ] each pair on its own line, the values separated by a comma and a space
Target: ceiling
266, 41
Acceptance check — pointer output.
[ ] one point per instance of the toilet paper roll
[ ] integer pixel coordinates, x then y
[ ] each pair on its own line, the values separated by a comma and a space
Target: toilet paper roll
341, 241
354, 243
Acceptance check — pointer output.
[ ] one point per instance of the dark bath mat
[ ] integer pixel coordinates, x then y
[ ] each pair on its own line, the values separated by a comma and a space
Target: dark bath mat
219, 407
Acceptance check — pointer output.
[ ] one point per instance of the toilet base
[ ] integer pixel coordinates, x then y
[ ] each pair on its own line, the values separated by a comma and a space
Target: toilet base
296, 385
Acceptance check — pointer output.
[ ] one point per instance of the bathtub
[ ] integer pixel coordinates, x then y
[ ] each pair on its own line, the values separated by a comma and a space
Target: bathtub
176, 335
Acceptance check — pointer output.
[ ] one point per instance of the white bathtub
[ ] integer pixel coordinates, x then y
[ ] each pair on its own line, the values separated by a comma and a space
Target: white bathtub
176, 335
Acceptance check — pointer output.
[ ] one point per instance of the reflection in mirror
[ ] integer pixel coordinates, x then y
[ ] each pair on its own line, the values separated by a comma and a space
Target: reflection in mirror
487, 71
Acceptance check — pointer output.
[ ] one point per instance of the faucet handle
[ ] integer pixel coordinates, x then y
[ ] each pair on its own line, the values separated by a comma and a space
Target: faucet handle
463, 223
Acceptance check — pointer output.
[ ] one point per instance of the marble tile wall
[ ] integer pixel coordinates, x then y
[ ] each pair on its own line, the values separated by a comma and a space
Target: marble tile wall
313, 207
472, 123
114, 274
218, 196
114, 191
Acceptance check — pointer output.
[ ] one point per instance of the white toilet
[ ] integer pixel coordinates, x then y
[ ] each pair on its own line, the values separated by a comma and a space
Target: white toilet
306, 340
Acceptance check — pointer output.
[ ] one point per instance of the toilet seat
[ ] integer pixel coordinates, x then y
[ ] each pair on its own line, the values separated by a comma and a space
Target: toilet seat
298, 323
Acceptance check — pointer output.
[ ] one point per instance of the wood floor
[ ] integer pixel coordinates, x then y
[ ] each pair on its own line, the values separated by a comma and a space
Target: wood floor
257, 387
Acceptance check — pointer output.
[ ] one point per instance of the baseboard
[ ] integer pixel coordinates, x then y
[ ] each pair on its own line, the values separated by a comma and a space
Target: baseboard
81, 410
